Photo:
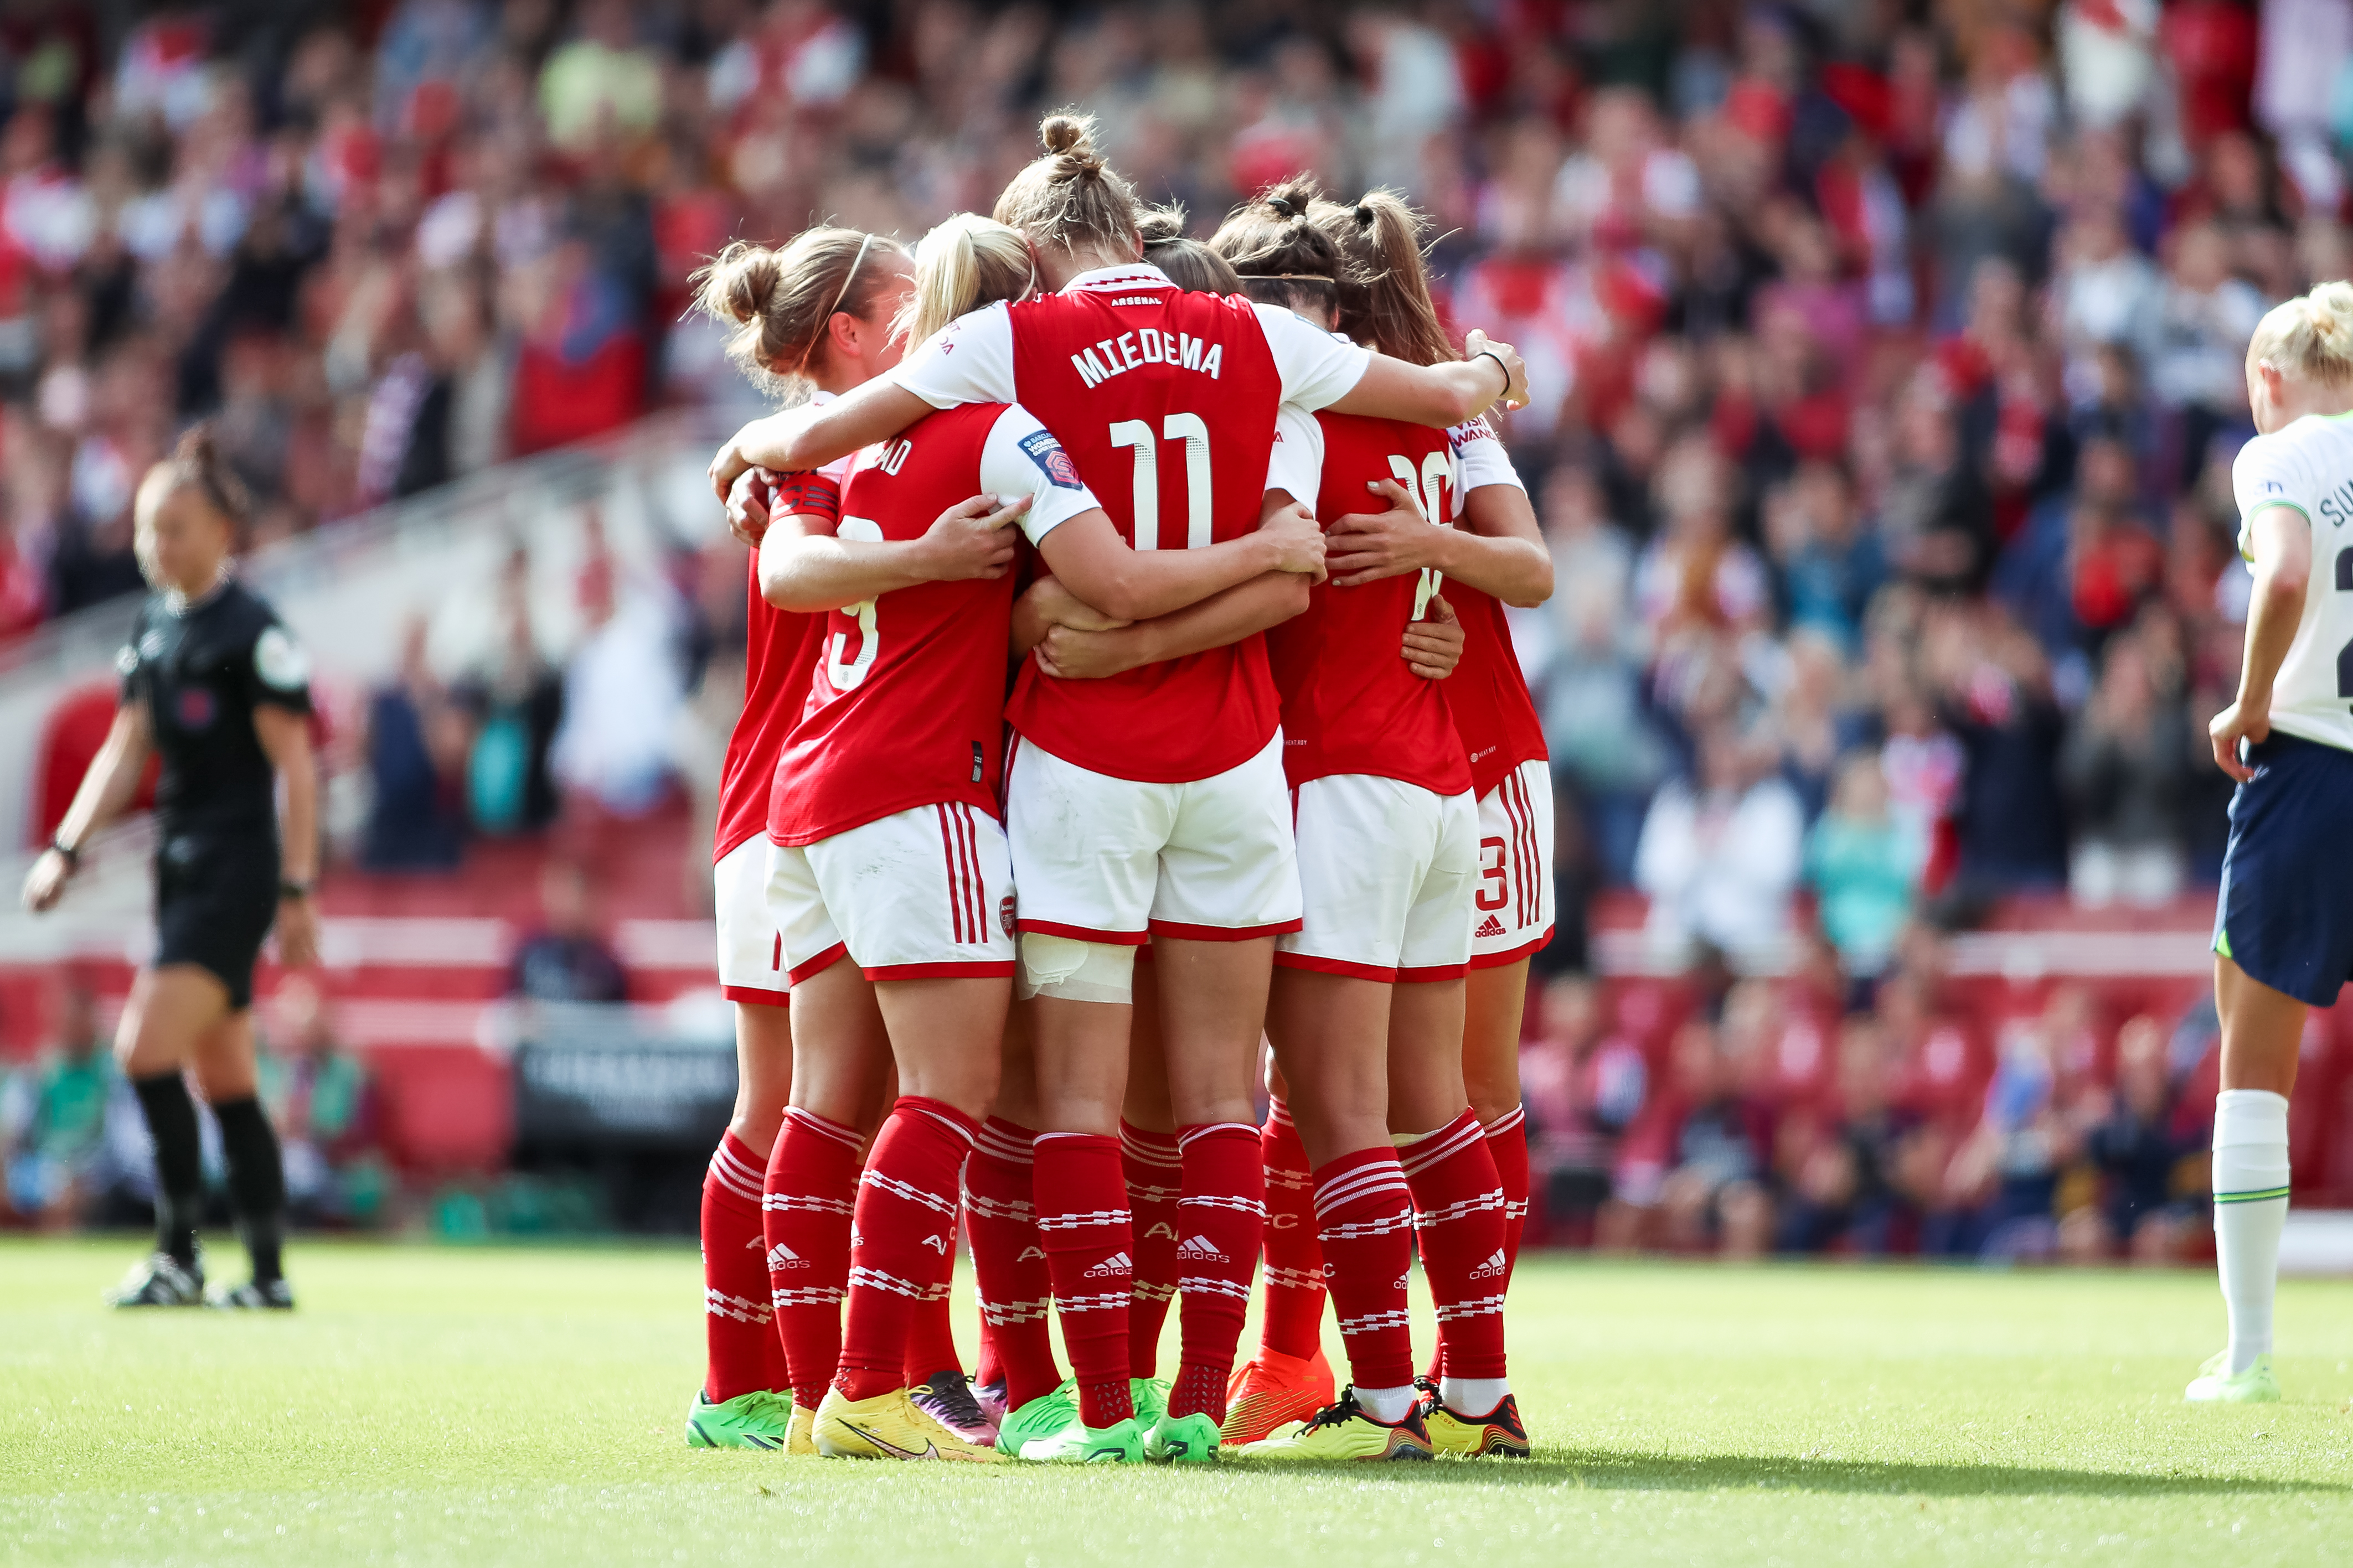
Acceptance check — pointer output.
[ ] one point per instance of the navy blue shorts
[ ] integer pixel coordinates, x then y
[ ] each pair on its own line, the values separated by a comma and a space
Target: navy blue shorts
2285, 914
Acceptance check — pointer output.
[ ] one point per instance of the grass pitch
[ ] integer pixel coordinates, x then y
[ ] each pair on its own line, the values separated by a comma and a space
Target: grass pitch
491, 1405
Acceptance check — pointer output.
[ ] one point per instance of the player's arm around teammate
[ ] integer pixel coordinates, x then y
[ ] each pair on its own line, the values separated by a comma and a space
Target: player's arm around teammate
2284, 924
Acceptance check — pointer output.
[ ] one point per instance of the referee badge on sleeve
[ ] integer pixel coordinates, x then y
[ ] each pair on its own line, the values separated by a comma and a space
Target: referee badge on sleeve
279, 660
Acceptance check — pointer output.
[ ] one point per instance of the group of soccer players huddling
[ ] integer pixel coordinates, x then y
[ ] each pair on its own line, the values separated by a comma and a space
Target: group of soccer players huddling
1127, 682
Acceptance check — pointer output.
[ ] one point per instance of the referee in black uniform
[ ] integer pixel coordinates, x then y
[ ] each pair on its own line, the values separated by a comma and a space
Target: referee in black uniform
215, 684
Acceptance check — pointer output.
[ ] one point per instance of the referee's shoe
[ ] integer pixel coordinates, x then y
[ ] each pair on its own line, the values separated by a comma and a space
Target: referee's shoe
159, 1279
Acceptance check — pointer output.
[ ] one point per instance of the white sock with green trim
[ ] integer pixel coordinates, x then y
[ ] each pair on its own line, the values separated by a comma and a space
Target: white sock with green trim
2249, 1210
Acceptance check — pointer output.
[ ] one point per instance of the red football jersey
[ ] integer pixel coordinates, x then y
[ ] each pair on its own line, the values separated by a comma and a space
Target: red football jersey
1350, 703
1166, 402
907, 702
1489, 696
780, 648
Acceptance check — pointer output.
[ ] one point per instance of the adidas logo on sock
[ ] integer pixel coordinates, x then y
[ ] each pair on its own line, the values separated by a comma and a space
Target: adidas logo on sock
1117, 1263
781, 1256
1492, 1269
1199, 1250
1491, 926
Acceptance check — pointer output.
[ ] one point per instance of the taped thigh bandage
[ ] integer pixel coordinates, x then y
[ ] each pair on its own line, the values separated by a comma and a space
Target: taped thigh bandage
1073, 970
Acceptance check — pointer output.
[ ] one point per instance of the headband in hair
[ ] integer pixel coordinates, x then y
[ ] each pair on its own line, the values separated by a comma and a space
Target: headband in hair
1283, 206
838, 296
1362, 215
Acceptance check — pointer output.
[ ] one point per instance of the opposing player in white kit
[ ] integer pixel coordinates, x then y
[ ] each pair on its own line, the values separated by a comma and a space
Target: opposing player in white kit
2284, 924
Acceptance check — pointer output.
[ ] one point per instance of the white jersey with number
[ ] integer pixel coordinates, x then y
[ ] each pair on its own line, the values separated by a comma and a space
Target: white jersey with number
2309, 466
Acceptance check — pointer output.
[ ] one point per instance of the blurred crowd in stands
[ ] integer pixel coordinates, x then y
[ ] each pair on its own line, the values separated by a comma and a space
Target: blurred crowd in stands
1886, 361
75, 1146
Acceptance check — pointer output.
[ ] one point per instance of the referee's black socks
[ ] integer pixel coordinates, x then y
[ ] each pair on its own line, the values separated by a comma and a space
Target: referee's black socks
257, 1182
179, 1170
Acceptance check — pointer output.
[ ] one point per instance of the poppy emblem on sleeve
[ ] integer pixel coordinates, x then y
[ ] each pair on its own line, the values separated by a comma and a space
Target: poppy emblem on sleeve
1054, 462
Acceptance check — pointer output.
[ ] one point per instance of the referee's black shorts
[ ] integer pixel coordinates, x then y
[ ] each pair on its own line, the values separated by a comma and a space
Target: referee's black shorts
216, 898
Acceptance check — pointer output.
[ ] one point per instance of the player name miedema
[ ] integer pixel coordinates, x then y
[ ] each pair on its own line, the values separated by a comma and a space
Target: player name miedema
1150, 346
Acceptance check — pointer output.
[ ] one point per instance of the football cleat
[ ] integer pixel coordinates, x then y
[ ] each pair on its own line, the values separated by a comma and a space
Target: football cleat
802, 1441
277, 1296
1041, 1417
947, 1397
1343, 1430
2215, 1385
1272, 1389
1500, 1434
990, 1397
1150, 1397
1182, 1439
759, 1419
1121, 1443
158, 1280
889, 1427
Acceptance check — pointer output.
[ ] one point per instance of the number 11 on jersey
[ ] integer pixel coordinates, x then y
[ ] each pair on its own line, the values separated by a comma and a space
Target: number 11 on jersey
1194, 431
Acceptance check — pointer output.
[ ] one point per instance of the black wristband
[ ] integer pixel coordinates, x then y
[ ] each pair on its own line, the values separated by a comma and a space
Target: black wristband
72, 855
289, 889
1490, 354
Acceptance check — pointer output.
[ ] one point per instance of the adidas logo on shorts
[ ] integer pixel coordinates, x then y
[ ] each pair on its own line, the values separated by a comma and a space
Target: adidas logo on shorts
1117, 1263
1199, 1250
1492, 1269
1491, 926
781, 1256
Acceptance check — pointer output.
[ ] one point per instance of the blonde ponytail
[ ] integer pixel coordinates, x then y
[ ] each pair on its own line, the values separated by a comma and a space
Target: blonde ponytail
966, 262
2310, 339
1070, 197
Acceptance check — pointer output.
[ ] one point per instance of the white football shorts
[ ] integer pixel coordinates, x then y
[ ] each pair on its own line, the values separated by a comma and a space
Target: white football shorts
920, 893
751, 949
1387, 867
1107, 860
1512, 903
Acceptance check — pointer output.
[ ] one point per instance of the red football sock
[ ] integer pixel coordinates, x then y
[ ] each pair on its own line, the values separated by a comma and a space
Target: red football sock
1293, 1324
1458, 1213
738, 1328
930, 1334
1149, 1163
812, 1187
1008, 1262
1083, 1220
1224, 1214
902, 1249
1365, 1221
1507, 1144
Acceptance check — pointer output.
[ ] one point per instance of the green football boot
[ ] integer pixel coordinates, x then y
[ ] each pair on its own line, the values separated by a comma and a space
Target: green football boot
1150, 1397
1182, 1439
1041, 1417
2215, 1385
759, 1419
1121, 1443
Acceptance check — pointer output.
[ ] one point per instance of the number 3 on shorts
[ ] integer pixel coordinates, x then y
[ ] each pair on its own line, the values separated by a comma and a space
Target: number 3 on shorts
1492, 852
